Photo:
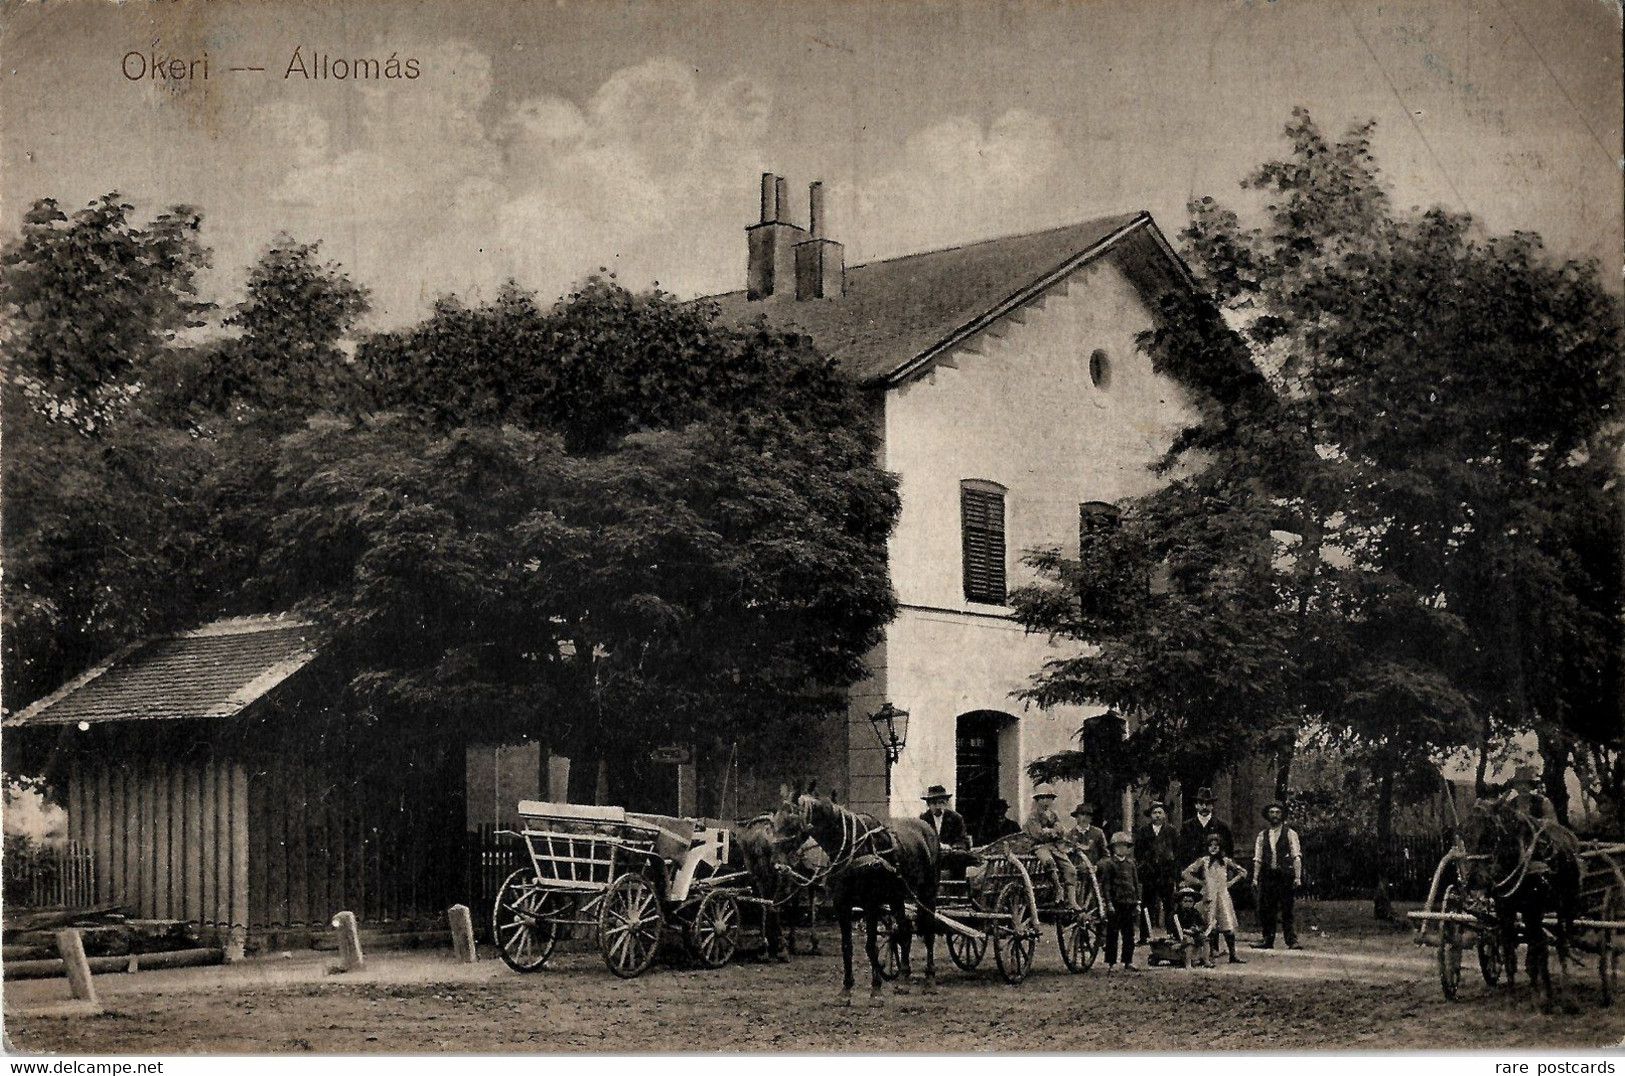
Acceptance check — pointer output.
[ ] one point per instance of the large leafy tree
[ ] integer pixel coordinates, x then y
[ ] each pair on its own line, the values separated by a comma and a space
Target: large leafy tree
1398, 511
606, 525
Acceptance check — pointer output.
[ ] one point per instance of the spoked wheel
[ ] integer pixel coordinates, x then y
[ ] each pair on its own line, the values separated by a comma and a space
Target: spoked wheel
1489, 957
886, 937
521, 921
1015, 933
1450, 946
1607, 954
713, 936
966, 950
1079, 938
629, 925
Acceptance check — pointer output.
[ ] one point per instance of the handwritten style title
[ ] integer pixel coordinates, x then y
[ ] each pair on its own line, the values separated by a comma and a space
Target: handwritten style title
138, 66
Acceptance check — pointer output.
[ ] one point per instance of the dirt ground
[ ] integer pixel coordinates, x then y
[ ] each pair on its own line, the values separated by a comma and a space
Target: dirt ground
1355, 986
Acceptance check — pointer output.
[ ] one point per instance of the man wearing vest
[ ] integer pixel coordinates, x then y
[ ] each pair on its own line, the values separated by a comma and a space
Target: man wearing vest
1277, 876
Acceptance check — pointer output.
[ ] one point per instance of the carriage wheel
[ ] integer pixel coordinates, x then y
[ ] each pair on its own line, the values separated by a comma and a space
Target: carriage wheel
1489, 957
629, 925
521, 921
1607, 955
1014, 933
891, 958
966, 950
1079, 939
713, 936
1450, 946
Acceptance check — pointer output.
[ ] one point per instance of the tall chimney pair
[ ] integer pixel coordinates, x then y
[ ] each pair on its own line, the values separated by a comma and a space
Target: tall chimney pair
781, 252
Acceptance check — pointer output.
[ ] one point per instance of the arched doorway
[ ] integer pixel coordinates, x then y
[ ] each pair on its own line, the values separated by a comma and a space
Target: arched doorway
978, 765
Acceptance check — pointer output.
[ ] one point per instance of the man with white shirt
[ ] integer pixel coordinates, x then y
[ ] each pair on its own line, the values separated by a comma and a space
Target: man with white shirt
1277, 876
1199, 827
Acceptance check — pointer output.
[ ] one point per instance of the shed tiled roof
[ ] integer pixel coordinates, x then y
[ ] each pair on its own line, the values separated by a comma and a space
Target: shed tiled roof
896, 311
216, 671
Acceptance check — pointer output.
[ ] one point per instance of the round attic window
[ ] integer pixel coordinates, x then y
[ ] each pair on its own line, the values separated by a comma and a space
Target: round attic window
1100, 370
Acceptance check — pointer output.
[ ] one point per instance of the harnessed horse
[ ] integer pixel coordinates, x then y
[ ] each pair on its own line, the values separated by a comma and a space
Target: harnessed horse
876, 867
1529, 868
778, 872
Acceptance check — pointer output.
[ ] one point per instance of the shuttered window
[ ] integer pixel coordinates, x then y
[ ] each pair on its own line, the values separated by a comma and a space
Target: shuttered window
981, 521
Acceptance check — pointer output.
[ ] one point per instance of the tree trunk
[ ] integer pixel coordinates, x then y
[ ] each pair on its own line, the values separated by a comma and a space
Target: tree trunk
1283, 768
1483, 758
1382, 903
1554, 775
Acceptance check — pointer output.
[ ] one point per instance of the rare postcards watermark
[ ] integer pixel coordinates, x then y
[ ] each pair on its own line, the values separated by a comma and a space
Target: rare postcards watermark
156, 65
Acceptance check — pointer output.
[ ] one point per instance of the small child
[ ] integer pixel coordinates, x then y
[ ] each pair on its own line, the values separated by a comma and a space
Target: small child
1192, 925
1215, 873
1119, 879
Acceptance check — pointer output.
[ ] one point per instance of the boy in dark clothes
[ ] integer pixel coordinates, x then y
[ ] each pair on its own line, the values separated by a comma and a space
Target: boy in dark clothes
1120, 889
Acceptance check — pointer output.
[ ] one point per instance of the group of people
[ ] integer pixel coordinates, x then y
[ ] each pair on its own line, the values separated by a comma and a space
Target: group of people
1176, 877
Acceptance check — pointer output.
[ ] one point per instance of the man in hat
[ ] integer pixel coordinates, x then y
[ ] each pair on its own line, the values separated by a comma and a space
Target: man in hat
948, 824
1202, 824
1277, 876
1050, 845
999, 823
1156, 848
1522, 795
1087, 839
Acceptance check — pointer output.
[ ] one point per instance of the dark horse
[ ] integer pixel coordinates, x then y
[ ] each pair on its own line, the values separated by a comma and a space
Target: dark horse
1529, 867
778, 873
876, 867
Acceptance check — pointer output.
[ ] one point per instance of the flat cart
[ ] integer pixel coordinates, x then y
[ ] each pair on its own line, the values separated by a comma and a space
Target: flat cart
629, 879
1005, 907
1459, 916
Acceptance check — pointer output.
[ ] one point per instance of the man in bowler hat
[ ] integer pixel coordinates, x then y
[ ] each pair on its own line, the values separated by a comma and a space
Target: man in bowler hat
948, 824
1202, 824
1156, 848
1277, 876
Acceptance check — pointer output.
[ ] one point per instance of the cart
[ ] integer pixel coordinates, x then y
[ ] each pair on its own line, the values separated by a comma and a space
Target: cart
627, 878
1006, 906
1464, 917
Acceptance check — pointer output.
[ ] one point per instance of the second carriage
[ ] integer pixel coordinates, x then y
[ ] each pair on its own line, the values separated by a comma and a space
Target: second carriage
627, 878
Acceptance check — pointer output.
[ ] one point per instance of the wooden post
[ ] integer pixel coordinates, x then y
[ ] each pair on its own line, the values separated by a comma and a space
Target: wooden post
462, 933
349, 941
71, 945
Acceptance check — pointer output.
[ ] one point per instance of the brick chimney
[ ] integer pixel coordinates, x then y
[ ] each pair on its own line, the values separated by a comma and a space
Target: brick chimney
772, 269
820, 262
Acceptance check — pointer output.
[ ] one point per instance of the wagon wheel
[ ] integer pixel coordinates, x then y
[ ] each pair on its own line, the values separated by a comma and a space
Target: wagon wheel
521, 921
966, 950
1014, 933
629, 925
890, 954
1489, 957
1079, 935
1607, 955
713, 936
1450, 946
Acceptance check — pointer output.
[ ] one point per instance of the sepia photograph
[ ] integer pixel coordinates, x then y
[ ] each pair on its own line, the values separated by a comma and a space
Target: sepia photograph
812, 527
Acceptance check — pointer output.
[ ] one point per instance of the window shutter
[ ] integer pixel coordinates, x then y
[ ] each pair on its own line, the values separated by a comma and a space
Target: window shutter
981, 518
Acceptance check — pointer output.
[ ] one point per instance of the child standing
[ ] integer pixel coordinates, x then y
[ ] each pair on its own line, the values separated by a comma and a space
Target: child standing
1119, 879
1214, 874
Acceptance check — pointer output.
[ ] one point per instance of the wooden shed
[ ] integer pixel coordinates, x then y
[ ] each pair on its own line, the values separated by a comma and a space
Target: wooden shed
215, 782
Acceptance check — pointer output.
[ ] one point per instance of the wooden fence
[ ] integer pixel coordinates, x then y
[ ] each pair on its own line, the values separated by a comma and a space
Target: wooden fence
49, 875
492, 856
1339, 867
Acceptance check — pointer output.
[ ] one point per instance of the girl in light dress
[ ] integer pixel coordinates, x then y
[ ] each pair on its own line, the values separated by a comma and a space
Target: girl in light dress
1214, 874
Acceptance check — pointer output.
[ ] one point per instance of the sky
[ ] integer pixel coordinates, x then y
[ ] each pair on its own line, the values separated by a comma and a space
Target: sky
544, 140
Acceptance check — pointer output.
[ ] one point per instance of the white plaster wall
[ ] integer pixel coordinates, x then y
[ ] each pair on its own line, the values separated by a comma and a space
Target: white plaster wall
1017, 407
1024, 414
941, 665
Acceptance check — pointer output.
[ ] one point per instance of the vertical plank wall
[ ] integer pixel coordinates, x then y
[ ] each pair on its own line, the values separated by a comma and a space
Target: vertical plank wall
160, 847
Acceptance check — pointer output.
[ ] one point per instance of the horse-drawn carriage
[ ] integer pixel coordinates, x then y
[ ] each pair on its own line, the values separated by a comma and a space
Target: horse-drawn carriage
629, 878
1513, 881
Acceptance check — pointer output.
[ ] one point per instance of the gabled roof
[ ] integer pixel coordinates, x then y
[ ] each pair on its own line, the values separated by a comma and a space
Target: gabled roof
898, 313
216, 671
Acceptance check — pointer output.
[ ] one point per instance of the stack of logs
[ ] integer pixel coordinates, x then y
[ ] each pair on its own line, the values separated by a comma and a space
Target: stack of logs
113, 942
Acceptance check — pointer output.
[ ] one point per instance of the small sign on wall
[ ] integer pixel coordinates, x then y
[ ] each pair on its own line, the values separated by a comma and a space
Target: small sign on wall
674, 754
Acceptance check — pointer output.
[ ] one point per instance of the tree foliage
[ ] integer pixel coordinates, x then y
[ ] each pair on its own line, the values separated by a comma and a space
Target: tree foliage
1398, 518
